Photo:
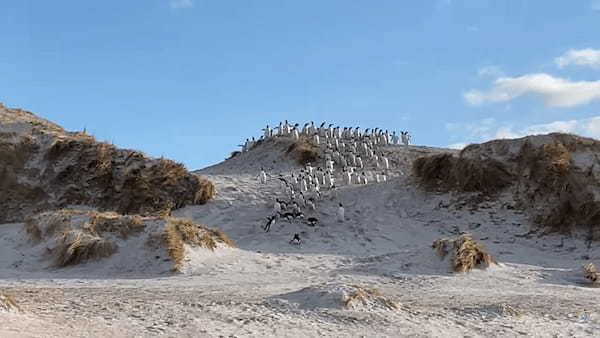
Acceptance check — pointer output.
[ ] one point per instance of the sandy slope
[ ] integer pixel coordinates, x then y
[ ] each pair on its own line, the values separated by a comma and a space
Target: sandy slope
269, 288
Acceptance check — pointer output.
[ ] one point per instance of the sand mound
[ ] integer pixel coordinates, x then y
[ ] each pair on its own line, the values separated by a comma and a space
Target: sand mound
465, 253
554, 177
447, 172
8, 304
43, 167
277, 154
73, 237
340, 297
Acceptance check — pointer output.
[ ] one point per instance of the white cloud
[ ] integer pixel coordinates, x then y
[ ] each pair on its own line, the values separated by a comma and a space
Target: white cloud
489, 129
553, 91
493, 71
177, 4
580, 57
458, 146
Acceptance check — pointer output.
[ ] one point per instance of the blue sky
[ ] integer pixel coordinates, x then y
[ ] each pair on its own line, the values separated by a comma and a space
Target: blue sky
191, 79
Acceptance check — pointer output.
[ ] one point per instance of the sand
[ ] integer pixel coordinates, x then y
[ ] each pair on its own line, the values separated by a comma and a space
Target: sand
269, 288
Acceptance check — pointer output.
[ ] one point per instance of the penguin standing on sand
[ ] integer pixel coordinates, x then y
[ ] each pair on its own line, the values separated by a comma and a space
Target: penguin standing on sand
348, 176
386, 162
263, 176
340, 213
311, 204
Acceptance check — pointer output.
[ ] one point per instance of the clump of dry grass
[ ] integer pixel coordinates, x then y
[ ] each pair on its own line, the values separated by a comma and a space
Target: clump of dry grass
112, 222
234, 154
180, 231
206, 190
104, 156
591, 273
447, 172
222, 236
467, 253
77, 240
77, 246
8, 303
304, 151
363, 295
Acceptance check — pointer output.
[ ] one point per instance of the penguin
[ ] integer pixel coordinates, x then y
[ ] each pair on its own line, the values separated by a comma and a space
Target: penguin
311, 204
331, 181
295, 133
340, 213
310, 168
296, 240
364, 178
386, 162
316, 139
360, 162
377, 178
383, 177
312, 221
348, 176
263, 176
271, 220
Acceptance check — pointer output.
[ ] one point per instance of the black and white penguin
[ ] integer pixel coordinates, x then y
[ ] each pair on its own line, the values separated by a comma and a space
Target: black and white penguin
271, 220
340, 213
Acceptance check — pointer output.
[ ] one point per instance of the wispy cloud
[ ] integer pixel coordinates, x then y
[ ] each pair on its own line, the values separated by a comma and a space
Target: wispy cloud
556, 92
493, 71
595, 5
580, 57
458, 146
178, 4
489, 129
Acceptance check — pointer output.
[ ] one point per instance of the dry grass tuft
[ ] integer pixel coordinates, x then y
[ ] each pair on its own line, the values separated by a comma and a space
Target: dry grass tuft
206, 191
447, 172
180, 231
77, 246
304, 151
8, 303
234, 154
222, 236
590, 273
33, 230
104, 156
114, 223
467, 253
363, 296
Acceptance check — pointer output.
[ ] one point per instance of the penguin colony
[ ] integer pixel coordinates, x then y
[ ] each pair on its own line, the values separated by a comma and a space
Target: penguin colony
351, 156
